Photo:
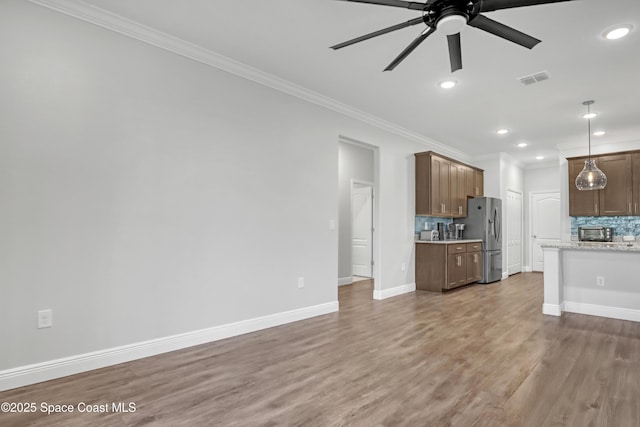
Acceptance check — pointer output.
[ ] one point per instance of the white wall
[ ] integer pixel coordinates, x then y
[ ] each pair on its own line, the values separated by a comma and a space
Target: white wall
145, 194
355, 162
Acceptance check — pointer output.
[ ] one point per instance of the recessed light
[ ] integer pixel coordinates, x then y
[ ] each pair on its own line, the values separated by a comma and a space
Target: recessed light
617, 32
448, 84
539, 157
589, 115
599, 133
522, 144
502, 131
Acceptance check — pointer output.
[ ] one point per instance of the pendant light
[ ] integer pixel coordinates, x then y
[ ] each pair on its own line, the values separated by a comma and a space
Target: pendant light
590, 178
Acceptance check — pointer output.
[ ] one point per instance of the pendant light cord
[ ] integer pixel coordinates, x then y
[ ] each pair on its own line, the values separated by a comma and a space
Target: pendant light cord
589, 127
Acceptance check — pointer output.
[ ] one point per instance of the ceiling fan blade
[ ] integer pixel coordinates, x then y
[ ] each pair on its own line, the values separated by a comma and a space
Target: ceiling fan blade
455, 52
491, 5
494, 27
395, 3
414, 44
378, 33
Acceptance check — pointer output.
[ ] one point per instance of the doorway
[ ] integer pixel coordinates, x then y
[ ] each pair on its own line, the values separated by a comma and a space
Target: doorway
514, 232
357, 213
545, 224
361, 229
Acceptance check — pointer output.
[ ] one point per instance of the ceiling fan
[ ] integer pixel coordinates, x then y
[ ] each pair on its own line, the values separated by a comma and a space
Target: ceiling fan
450, 16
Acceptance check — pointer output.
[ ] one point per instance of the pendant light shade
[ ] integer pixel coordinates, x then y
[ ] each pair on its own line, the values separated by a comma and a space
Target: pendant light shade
590, 178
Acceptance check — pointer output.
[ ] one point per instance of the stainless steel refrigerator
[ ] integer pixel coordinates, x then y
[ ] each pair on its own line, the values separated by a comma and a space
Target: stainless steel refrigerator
484, 221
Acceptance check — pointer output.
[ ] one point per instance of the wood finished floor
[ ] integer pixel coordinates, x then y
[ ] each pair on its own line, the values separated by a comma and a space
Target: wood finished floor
480, 356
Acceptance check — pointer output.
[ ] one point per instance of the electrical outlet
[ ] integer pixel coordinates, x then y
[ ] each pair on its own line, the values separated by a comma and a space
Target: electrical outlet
403, 266
45, 318
600, 280
300, 282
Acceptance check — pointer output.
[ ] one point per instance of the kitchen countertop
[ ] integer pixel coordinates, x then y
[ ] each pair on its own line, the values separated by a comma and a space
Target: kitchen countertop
449, 242
595, 246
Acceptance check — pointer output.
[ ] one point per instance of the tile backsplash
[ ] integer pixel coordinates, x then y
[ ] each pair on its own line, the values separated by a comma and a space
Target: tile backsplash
622, 225
430, 221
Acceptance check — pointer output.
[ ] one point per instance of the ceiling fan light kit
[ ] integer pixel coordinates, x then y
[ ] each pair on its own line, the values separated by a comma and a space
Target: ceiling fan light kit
590, 178
450, 17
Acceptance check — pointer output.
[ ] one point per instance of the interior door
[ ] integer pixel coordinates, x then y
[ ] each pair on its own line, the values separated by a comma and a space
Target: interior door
362, 230
545, 225
514, 232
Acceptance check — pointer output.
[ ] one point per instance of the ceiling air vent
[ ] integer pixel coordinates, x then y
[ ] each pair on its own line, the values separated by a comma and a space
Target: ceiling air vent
534, 78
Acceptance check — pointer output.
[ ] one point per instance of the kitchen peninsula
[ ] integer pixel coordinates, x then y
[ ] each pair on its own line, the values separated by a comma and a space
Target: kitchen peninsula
599, 279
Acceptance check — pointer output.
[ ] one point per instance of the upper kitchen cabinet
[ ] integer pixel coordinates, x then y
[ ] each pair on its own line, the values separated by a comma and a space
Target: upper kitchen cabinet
635, 171
443, 185
617, 198
475, 182
581, 203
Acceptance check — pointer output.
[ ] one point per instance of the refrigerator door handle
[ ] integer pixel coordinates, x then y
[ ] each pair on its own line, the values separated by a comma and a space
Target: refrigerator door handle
496, 223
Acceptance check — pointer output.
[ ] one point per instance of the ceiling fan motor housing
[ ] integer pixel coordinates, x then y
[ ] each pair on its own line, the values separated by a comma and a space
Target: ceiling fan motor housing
448, 16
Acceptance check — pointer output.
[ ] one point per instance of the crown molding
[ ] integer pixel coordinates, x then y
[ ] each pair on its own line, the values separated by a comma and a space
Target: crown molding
111, 21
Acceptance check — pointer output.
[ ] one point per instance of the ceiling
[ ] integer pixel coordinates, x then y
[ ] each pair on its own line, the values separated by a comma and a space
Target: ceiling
290, 39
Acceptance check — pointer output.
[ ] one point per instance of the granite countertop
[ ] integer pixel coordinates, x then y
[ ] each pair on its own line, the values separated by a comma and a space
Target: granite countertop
596, 246
449, 242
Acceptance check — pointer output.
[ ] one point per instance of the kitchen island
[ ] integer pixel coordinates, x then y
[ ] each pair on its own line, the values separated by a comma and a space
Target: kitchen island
599, 279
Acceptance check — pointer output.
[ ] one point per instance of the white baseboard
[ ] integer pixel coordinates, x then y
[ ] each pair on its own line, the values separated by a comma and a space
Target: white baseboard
527, 269
505, 275
345, 280
603, 311
31, 374
552, 309
398, 290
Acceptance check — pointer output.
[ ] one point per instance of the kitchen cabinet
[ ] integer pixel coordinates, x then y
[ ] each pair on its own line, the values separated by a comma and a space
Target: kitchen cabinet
474, 262
475, 182
620, 195
635, 193
443, 185
581, 203
447, 265
616, 198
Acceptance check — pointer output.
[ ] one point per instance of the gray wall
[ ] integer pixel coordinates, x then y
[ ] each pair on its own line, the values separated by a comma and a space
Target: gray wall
355, 162
145, 194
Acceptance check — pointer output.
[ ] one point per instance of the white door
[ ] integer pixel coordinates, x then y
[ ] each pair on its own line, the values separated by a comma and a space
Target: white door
514, 232
361, 230
545, 225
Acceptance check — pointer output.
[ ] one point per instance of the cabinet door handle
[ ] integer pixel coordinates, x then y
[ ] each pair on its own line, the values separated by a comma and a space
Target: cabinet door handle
635, 209
630, 207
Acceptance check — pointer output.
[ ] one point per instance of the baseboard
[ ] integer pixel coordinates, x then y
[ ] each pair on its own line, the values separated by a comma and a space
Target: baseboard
505, 275
527, 269
345, 280
398, 290
602, 311
552, 309
31, 374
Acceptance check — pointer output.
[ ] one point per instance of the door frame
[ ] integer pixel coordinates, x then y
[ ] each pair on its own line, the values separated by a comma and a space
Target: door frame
377, 250
352, 185
530, 211
522, 230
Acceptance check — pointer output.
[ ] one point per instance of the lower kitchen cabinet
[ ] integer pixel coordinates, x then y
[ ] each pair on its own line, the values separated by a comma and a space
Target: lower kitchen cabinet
444, 266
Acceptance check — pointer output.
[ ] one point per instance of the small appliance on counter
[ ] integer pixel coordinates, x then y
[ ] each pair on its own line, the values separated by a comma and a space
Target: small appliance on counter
595, 234
429, 235
454, 231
